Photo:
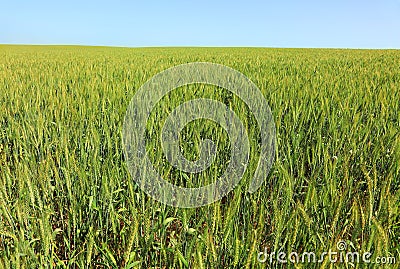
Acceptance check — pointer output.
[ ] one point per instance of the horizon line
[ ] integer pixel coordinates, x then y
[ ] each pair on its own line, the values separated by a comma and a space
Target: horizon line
191, 46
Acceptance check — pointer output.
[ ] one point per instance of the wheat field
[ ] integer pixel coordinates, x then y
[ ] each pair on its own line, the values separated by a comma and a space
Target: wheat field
67, 199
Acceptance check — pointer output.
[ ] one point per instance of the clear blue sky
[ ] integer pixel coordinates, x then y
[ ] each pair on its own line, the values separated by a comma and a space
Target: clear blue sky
317, 23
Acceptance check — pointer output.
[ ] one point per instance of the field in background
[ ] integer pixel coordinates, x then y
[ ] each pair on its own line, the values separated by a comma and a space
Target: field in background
66, 198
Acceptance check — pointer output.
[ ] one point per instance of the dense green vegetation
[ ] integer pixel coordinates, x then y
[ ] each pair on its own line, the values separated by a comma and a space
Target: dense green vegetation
66, 198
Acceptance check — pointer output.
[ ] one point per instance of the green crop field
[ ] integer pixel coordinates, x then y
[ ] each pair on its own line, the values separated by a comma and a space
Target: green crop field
67, 199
